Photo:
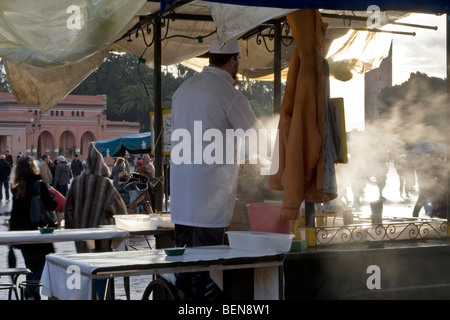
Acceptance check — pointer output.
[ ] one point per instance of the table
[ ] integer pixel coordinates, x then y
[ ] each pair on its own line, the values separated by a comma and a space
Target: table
73, 276
119, 237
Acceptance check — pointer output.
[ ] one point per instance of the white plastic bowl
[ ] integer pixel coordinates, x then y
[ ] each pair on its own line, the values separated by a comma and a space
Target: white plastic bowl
260, 241
136, 222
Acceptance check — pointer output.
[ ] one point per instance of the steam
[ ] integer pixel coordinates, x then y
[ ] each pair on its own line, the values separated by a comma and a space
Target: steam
409, 121
253, 186
370, 152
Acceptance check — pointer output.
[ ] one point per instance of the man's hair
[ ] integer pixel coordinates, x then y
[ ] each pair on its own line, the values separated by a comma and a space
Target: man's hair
44, 157
219, 59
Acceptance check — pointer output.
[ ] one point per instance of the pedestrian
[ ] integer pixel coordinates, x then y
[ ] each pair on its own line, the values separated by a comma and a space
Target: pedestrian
5, 172
76, 166
8, 158
53, 165
92, 199
124, 193
405, 171
25, 177
63, 174
126, 163
45, 170
118, 168
379, 166
358, 177
148, 169
426, 170
19, 156
203, 194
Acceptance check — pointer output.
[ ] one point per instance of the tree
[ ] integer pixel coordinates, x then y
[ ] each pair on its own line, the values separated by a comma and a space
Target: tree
260, 96
117, 72
125, 79
416, 109
136, 104
4, 84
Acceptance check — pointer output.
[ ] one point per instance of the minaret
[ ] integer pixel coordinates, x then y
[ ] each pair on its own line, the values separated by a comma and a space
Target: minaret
374, 81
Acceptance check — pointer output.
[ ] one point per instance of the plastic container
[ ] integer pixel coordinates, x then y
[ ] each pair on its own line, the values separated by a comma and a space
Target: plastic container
164, 221
266, 217
136, 222
260, 241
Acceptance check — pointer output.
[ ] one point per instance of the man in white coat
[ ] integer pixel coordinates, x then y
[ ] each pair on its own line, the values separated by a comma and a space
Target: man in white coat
204, 168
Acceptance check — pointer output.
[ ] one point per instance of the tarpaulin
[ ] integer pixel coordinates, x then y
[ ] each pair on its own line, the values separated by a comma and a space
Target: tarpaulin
47, 33
358, 52
32, 86
116, 147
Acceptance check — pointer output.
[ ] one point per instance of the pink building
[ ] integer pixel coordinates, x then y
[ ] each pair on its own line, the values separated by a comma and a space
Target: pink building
65, 129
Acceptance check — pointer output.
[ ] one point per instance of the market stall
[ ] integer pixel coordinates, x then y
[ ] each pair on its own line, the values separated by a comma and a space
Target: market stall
154, 27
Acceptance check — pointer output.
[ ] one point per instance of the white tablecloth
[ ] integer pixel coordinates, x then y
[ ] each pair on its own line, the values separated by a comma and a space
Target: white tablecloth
69, 276
120, 237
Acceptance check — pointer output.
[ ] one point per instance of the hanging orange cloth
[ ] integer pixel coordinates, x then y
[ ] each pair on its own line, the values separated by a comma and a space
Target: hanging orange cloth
301, 126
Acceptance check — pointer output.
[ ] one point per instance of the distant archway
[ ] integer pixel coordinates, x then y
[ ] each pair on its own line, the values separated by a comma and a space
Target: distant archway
67, 144
84, 145
46, 144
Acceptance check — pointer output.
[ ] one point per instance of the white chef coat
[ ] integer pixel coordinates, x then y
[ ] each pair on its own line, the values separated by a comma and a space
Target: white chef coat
201, 194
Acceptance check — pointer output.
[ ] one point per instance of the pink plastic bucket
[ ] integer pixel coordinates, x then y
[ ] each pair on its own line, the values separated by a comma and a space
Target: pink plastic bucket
266, 217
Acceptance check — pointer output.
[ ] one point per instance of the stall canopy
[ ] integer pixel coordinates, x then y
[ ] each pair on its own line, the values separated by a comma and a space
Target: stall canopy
117, 147
49, 47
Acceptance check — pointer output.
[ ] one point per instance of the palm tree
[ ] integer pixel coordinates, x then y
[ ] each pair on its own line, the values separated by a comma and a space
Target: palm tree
136, 99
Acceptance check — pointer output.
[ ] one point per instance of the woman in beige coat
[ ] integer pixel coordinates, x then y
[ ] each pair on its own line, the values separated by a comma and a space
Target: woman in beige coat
44, 170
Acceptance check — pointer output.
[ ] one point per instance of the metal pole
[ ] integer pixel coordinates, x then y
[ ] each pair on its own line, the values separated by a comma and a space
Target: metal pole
158, 117
448, 122
277, 70
310, 223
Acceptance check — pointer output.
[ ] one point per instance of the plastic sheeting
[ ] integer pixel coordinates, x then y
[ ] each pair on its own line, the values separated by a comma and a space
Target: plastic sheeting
244, 18
49, 33
47, 87
50, 47
358, 52
47, 55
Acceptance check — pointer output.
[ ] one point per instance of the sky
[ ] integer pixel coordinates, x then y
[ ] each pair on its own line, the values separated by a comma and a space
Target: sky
424, 52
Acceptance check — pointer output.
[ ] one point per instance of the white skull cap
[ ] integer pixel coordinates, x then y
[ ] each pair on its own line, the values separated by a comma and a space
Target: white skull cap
229, 47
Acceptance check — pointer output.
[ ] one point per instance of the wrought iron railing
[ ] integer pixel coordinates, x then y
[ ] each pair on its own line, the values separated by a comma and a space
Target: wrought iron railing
390, 229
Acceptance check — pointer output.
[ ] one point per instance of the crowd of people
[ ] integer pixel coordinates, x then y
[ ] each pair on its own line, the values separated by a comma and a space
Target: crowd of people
78, 184
423, 174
